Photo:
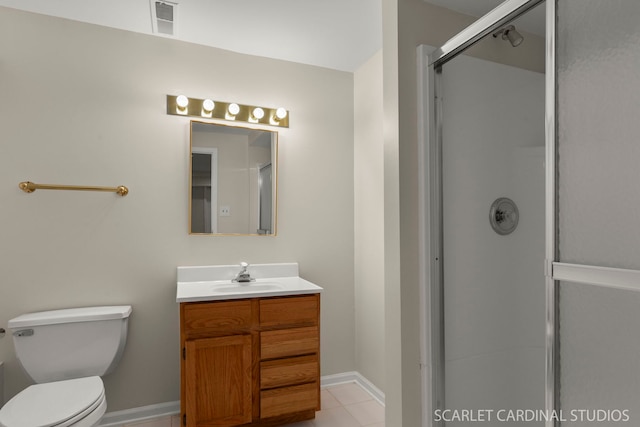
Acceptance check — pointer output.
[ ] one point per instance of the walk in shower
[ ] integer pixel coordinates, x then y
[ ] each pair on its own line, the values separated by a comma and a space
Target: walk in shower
531, 230
493, 254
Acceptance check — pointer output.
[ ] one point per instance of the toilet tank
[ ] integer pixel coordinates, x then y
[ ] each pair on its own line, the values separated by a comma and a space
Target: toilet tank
70, 343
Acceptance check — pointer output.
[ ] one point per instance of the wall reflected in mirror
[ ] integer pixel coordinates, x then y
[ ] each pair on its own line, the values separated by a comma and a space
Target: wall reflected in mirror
233, 180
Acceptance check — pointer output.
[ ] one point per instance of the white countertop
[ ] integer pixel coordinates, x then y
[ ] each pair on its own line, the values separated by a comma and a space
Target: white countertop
214, 283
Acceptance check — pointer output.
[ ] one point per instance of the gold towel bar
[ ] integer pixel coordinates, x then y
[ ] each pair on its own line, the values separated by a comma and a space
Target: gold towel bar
30, 187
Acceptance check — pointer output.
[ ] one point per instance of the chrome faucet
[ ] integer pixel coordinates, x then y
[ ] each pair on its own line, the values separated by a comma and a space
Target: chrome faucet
243, 276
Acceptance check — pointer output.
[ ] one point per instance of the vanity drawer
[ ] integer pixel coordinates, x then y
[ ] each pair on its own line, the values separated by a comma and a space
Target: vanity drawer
289, 311
289, 342
223, 315
289, 371
288, 400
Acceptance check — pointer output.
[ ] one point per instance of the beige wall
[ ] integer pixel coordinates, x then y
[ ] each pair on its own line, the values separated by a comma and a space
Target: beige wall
369, 221
406, 25
88, 107
392, 289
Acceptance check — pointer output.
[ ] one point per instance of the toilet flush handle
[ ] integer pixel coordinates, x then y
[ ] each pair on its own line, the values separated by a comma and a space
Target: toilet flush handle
23, 333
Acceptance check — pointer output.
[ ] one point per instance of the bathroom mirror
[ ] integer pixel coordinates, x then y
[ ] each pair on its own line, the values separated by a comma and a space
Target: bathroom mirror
233, 180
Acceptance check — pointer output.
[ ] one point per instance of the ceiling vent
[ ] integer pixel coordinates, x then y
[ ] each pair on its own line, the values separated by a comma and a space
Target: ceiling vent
163, 17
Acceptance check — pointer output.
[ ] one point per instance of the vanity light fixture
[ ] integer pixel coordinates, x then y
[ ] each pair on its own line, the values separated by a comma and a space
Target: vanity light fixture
233, 110
180, 105
182, 102
256, 115
281, 114
208, 105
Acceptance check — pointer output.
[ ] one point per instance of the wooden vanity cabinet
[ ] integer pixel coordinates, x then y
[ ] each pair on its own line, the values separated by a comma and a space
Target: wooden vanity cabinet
250, 362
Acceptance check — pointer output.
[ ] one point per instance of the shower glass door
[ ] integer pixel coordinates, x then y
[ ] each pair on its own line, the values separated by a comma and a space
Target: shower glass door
598, 77
494, 287
485, 184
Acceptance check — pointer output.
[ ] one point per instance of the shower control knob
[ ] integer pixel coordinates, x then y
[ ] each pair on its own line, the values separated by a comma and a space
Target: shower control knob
503, 216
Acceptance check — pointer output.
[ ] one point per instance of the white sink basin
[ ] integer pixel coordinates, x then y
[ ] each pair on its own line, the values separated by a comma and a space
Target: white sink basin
214, 282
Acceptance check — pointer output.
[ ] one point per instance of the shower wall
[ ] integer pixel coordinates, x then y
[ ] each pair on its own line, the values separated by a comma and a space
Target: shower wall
493, 146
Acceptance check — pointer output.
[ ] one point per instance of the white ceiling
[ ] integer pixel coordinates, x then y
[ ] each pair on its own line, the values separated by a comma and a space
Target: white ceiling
336, 34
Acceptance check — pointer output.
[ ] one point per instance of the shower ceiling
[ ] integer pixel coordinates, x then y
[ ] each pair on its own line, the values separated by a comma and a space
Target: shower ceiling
532, 22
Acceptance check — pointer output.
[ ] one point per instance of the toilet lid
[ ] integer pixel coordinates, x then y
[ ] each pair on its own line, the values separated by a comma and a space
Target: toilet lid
51, 404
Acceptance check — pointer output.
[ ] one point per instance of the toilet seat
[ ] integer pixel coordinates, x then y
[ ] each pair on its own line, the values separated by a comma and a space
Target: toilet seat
55, 404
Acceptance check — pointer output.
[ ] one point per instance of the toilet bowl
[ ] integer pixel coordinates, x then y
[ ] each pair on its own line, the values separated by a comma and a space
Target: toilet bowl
79, 402
65, 352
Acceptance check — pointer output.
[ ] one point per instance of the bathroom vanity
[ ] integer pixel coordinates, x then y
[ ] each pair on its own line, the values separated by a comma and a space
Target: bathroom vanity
251, 355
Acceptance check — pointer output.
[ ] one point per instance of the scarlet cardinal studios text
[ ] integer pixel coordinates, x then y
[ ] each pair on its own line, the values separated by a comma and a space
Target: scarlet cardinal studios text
530, 415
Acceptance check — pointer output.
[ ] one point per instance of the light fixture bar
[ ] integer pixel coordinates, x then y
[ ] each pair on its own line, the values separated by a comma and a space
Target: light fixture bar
247, 113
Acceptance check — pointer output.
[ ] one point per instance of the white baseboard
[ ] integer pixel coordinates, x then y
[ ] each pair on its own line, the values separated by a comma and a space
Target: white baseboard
353, 377
144, 413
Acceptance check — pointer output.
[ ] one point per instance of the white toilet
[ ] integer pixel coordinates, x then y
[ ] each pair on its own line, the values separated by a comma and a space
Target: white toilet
65, 352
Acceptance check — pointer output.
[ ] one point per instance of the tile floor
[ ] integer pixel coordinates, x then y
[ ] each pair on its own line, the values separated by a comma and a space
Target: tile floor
343, 405
346, 405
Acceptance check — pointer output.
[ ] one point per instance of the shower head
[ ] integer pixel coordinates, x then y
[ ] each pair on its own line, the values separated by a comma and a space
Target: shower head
510, 33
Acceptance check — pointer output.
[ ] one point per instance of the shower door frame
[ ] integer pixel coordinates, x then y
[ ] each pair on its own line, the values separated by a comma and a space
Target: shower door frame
430, 63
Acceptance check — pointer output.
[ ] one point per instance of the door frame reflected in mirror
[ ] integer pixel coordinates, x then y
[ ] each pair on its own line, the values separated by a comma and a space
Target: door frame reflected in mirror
210, 214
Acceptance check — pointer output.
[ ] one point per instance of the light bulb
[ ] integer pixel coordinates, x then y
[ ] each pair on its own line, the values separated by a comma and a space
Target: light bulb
257, 113
208, 105
281, 113
182, 101
234, 109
